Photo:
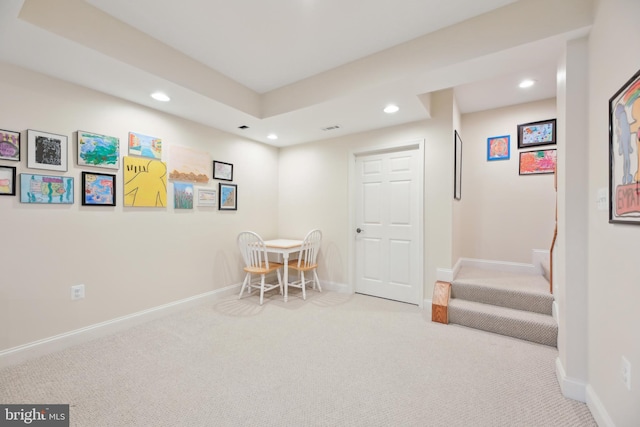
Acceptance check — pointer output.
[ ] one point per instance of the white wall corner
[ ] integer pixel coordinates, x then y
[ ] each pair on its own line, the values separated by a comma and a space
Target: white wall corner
555, 311
571, 387
427, 307
597, 409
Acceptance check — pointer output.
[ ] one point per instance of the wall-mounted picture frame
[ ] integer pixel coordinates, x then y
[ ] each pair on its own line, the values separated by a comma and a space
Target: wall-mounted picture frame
498, 147
98, 189
228, 197
145, 146
457, 166
537, 162
46, 189
46, 151
9, 145
7, 181
624, 153
182, 195
207, 197
535, 134
222, 171
97, 150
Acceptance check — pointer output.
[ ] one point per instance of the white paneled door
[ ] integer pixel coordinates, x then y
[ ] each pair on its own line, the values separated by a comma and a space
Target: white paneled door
388, 214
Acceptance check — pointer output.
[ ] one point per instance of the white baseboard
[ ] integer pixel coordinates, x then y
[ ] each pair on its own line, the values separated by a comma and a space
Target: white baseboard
59, 342
571, 387
336, 287
427, 307
512, 267
597, 409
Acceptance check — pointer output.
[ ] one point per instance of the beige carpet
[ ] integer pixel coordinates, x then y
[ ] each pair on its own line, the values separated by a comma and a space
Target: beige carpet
332, 360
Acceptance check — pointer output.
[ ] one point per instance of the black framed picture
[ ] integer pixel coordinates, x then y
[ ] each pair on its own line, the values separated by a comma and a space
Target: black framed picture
535, 134
7, 181
98, 189
9, 145
457, 166
222, 171
624, 153
228, 197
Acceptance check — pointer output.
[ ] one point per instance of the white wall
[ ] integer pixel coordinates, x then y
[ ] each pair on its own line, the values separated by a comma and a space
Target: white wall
314, 190
503, 215
130, 259
613, 255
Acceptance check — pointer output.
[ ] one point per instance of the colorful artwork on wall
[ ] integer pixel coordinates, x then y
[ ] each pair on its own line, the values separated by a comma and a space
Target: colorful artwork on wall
189, 165
98, 189
7, 181
228, 197
145, 182
183, 195
9, 145
98, 150
498, 147
624, 153
47, 189
537, 162
145, 146
207, 197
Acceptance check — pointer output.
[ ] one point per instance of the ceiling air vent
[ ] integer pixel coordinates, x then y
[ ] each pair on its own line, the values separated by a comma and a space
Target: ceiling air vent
243, 127
331, 127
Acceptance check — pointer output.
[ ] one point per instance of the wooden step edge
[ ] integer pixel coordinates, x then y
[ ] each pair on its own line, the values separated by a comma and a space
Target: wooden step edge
440, 302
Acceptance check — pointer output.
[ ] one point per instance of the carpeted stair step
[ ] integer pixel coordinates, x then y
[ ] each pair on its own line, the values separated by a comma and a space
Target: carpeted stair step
525, 325
520, 292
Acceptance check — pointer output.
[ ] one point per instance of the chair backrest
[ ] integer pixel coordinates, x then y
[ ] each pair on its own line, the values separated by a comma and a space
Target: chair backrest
310, 248
253, 249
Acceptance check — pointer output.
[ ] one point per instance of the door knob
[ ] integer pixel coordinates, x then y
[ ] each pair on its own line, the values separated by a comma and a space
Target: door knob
359, 230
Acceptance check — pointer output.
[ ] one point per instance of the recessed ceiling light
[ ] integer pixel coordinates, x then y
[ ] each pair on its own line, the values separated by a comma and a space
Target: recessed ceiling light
527, 83
391, 108
272, 136
159, 96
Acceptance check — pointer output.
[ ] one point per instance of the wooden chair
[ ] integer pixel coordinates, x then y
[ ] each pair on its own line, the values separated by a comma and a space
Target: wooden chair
307, 261
254, 254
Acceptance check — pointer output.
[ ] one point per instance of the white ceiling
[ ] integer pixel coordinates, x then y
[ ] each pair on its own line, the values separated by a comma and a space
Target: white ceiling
292, 67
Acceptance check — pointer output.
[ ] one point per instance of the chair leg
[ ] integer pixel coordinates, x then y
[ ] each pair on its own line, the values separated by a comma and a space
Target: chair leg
261, 288
315, 275
244, 284
302, 285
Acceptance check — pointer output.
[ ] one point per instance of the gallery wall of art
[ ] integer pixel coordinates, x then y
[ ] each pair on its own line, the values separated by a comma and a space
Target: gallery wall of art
121, 198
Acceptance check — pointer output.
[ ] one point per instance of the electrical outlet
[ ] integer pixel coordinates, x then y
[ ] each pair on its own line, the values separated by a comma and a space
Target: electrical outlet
77, 292
626, 372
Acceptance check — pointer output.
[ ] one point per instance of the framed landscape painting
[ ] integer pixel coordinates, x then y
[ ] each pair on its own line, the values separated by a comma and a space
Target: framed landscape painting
228, 197
145, 145
183, 195
98, 150
46, 189
46, 151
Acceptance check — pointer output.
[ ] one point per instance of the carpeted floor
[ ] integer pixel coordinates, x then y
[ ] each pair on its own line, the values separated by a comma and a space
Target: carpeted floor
332, 360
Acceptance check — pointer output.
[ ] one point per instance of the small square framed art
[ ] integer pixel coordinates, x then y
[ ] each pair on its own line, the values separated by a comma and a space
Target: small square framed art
46, 151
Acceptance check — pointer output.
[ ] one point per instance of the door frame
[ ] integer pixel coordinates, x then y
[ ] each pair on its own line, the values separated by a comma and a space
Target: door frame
415, 144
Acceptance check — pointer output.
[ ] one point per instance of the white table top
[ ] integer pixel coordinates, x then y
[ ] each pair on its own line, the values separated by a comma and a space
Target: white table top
282, 243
